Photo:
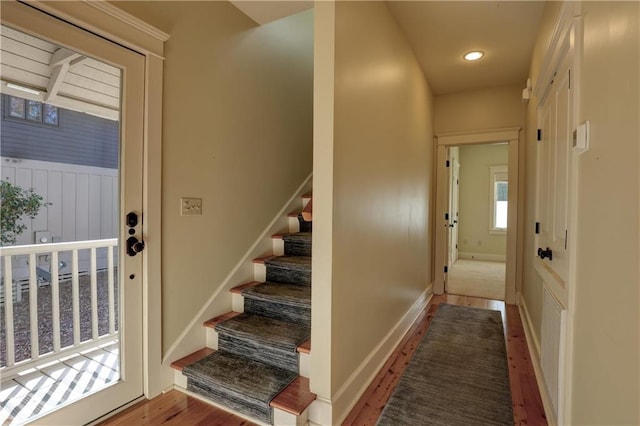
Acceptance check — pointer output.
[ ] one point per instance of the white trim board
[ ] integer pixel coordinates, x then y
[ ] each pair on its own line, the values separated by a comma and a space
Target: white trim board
534, 355
483, 256
192, 337
352, 390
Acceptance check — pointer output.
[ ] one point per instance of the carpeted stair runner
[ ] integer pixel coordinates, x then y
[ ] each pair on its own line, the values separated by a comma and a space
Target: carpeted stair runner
298, 244
257, 351
263, 339
289, 269
304, 225
241, 384
287, 302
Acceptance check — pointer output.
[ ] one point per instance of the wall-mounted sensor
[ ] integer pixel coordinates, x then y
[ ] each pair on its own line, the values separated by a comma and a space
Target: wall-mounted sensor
581, 138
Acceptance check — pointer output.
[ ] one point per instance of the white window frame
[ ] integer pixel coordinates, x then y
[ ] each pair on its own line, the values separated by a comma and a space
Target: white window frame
496, 174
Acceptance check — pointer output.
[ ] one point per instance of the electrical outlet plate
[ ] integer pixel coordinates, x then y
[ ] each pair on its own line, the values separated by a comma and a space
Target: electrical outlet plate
190, 206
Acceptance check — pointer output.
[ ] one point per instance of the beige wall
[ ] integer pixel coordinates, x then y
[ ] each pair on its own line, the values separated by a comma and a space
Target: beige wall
606, 357
606, 335
491, 108
382, 145
237, 132
475, 196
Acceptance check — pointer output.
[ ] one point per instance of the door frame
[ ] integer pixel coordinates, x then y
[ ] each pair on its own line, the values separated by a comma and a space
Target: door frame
445, 140
113, 24
454, 208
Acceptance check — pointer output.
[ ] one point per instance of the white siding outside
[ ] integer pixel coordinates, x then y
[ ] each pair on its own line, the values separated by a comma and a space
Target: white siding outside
84, 206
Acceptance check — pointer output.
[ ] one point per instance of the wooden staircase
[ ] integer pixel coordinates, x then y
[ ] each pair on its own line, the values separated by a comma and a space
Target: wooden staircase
269, 313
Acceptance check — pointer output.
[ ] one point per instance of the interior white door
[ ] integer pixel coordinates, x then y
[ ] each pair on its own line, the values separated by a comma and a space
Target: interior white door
554, 171
129, 273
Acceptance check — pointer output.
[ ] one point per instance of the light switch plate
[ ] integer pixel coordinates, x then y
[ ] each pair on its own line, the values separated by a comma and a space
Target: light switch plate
190, 206
581, 138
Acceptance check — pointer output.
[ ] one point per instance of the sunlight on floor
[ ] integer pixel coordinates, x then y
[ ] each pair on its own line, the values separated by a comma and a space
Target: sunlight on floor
477, 278
43, 389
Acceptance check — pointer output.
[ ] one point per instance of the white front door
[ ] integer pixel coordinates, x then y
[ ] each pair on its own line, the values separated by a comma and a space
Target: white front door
77, 46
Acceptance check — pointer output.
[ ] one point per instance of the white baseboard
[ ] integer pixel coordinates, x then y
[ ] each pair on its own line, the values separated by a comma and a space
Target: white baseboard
348, 395
528, 326
483, 256
534, 355
192, 337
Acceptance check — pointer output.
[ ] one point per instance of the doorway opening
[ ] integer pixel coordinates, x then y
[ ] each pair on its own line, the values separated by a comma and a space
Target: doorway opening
477, 198
478, 220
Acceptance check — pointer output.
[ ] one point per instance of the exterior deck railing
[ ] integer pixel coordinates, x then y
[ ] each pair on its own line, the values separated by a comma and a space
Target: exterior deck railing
15, 278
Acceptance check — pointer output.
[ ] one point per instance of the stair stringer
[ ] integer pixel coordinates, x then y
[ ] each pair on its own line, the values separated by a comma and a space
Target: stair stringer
193, 336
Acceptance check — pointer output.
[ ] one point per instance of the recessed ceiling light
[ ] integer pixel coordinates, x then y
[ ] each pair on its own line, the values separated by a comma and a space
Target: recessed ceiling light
474, 55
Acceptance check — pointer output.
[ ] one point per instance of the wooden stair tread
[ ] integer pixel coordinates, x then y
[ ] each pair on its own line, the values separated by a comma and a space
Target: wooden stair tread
217, 320
295, 398
238, 289
261, 260
191, 358
305, 347
294, 214
308, 195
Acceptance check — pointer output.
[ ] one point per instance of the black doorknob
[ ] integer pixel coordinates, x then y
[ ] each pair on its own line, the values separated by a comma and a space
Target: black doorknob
545, 253
134, 246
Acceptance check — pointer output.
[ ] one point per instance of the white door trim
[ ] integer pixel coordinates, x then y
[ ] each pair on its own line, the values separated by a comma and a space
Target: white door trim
512, 137
113, 24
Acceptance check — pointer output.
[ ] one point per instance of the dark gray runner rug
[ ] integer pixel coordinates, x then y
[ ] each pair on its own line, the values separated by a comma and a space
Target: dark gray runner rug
244, 385
458, 375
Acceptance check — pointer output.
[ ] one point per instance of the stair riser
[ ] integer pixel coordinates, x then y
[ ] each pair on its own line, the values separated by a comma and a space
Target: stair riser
305, 364
285, 275
242, 406
278, 311
278, 246
297, 248
255, 351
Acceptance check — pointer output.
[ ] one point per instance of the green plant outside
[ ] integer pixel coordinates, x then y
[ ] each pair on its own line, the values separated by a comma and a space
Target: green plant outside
16, 204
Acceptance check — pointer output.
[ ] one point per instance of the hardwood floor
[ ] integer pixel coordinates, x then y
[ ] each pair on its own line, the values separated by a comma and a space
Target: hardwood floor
176, 408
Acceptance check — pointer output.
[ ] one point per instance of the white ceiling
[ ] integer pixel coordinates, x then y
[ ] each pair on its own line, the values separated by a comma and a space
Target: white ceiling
442, 31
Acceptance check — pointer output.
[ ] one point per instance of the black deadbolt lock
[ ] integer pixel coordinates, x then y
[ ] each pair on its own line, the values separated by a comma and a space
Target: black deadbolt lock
132, 219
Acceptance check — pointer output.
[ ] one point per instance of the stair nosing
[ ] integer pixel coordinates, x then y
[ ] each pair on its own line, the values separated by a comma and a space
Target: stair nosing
239, 288
220, 318
192, 357
281, 400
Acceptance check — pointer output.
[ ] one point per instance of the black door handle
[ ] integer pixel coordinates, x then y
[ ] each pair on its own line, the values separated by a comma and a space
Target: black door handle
134, 246
545, 253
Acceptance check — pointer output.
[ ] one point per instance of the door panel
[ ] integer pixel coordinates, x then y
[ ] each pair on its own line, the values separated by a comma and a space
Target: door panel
554, 171
127, 195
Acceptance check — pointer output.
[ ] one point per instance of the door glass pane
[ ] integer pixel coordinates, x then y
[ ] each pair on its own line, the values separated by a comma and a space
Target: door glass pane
60, 290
